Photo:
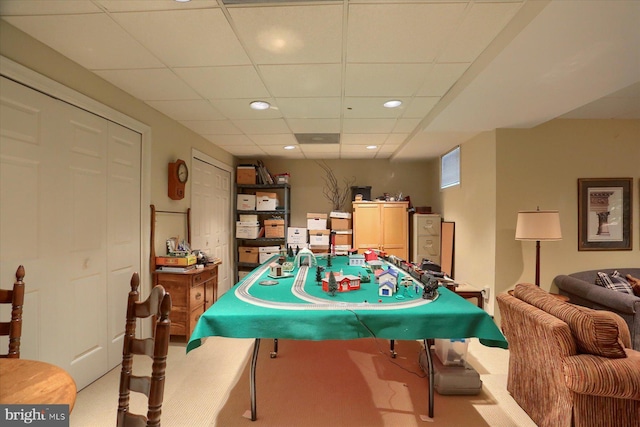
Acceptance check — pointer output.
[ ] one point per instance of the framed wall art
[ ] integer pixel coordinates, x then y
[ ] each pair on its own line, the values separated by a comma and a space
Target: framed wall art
604, 214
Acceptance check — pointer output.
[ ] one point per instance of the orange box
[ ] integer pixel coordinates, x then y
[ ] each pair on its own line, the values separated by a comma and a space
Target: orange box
248, 254
246, 175
343, 238
178, 261
340, 224
274, 228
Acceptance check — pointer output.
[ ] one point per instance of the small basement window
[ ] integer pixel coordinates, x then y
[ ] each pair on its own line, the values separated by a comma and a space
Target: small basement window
450, 168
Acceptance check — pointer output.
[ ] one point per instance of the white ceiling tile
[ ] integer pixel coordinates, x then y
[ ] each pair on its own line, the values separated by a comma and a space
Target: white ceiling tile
320, 148
480, 26
384, 80
150, 84
240, 109
46, 7
260, 127
356, 149
103, 44
368, 107
314, 125
395, 139
310, 108
363, 138
388, 148
187, 110
300, 81
367, 154
322, 156
406, 33
224, 82
142, 5
278, 150
440, 79
291, 34
245, 151
212, 127
186, 38
291, 154
275, 139
368, 125
420, 106
233, 140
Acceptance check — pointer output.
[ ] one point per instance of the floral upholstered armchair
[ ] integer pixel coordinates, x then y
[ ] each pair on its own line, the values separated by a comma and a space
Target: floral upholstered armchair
569, 365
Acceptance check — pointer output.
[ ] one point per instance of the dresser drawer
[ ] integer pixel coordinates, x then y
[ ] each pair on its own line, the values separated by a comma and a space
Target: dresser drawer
196, 296
428, 225
429, 245
194, 316
203, 276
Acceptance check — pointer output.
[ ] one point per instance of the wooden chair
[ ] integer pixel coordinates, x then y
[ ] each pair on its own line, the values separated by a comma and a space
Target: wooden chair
13, 328
158, 305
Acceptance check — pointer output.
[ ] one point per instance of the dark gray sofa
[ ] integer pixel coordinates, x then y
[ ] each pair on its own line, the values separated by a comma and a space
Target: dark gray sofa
581, 289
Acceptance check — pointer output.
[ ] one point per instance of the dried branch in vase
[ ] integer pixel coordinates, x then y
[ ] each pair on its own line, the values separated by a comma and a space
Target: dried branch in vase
332, 191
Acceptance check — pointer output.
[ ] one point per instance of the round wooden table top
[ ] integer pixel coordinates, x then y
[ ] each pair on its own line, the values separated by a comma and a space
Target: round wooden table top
35, 383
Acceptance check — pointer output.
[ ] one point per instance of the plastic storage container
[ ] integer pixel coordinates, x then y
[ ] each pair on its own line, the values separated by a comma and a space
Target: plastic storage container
452, 352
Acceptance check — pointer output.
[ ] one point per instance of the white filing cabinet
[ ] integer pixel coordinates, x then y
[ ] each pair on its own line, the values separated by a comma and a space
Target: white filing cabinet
425, 238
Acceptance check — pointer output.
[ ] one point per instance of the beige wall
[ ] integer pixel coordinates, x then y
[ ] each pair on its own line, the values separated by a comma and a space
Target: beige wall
413, 179
169, 139
530, 168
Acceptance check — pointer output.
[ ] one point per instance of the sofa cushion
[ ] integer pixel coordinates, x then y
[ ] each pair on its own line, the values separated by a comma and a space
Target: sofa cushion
614, 281
635, 284
594, 332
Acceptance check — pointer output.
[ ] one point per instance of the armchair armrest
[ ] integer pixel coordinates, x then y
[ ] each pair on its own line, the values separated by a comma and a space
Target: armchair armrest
601, 376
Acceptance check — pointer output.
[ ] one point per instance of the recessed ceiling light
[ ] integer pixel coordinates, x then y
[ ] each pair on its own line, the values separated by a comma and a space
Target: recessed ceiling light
371, 147
260, 105
289, 147
393, 103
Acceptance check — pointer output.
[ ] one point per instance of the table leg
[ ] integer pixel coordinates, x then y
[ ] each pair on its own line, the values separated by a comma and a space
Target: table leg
427, 348
274, 353
392, 347
254, 361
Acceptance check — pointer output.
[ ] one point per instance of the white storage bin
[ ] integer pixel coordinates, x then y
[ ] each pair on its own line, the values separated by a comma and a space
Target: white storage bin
246, 231
452, 351
297, 235
246, 202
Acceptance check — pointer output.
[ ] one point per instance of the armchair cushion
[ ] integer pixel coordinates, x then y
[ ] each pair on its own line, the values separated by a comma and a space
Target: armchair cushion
595, 332
597, 376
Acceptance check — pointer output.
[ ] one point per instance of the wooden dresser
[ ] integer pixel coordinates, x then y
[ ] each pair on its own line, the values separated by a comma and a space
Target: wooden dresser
191, 294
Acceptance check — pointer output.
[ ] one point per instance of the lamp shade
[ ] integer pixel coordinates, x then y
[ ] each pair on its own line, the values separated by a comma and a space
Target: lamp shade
538, 225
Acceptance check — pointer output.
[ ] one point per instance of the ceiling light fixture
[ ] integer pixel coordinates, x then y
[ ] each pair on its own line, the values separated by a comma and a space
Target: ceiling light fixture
289, 147
371, 147
259, 105
393, 103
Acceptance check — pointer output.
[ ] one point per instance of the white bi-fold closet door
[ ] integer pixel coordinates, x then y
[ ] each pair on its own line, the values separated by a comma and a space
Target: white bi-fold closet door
70, 213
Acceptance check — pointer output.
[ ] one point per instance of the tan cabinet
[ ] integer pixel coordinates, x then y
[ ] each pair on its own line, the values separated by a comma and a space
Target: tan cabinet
425, 237
191, 293
381, 225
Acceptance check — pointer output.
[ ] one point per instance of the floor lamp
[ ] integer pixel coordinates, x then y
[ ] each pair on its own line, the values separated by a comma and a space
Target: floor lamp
538, 225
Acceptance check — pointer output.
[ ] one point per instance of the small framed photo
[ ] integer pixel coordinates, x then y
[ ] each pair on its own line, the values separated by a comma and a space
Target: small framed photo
604, 214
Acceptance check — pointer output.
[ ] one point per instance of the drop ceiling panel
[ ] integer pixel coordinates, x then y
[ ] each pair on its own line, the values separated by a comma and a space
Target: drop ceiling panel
260, 127
361, 107
146, 5
314, 125
392, 80
186, 38
46, 7
291, 34
150, 84
276, 139
224, 82
213, 127
368, 125
440, 78
239, 140
320, 148
93, 41
363, 138
239, 109
300, 81
420, 107
395, 139
419, 31
310, 108
187, 110
406, 125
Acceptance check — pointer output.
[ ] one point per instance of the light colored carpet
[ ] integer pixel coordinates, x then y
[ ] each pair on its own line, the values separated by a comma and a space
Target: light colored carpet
339, 383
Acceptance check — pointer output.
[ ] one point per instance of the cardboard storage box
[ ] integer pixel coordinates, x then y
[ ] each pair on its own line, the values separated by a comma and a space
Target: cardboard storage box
246, 202
342, 249
242, 274
340, 224
296, 235
265, 202
319, 238
248, 218
319, 249
247, 230
177, 261
316, 221
248, 254
295, 246
266, 256
246, 175
343, 237
274, 228
337, 214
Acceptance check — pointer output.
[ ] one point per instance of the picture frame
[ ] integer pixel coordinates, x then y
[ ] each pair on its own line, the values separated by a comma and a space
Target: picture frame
604, 214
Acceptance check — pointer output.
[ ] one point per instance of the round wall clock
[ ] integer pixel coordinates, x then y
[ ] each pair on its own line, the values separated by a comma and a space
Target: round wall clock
178, 176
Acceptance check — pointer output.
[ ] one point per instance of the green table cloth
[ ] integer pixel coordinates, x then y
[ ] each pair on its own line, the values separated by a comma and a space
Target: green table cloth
297, 308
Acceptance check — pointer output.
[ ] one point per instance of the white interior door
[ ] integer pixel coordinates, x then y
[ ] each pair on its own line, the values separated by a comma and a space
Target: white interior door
70, 213
210, 209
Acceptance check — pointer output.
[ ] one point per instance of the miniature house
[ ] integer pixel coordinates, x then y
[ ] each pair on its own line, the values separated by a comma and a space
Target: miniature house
370, 255
345, 283
388, 275
356, 260
275, 269
375, 264
305, 258
386, 289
